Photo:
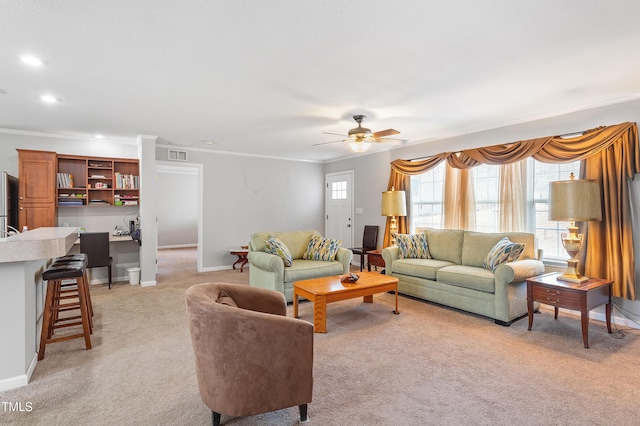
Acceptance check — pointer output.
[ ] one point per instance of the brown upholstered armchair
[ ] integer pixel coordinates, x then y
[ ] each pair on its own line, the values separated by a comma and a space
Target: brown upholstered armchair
250, 358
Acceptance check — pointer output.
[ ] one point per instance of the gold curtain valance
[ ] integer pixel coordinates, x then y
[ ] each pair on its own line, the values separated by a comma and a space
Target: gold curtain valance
551, 149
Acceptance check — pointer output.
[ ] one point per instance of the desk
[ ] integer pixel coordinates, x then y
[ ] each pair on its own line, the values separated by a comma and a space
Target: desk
126, 254
567, 295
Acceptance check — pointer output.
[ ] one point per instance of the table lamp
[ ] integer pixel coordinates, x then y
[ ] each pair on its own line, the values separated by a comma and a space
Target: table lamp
394, 203
574, 200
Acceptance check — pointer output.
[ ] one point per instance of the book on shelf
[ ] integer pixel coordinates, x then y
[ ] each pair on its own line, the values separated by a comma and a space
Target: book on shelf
65, 180
124, 181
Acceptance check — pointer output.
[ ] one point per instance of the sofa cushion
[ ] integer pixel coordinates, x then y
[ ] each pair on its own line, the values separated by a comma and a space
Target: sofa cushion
467, 276
320, 248
504, 251
445, 244
276, 246
305, 269
413, 246
296, 241
423, 268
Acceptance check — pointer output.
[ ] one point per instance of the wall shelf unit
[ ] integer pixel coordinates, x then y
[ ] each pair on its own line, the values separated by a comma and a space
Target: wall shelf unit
97, 181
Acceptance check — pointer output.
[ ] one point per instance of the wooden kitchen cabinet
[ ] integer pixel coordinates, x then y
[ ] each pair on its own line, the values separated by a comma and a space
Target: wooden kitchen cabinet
36, 188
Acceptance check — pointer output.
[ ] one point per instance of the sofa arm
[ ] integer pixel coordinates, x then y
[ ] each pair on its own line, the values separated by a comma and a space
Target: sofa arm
266, 261
344, 256
389, 254
518, 271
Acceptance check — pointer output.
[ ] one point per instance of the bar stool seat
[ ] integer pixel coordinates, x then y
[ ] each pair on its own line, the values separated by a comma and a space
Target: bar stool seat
57, 301
77, 257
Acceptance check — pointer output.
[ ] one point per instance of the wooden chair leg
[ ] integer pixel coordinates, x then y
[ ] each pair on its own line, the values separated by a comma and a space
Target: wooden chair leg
46, 320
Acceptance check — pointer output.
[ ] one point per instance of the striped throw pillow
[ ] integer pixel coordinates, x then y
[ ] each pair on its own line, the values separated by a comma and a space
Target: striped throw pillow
504, 251
321, 248
413, 246
276, 246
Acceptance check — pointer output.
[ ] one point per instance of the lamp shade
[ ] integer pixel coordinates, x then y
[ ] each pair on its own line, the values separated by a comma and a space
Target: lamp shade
394, 203
575, 200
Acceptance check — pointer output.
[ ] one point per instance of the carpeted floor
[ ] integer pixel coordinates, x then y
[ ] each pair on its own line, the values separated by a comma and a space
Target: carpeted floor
429, 365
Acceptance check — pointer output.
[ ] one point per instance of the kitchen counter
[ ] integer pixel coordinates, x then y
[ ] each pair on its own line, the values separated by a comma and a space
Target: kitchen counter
23, 259
40, 243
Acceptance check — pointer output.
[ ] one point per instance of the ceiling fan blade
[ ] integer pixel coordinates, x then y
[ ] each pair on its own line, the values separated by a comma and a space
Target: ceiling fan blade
384, 133
337, 134
389, 140
325, 143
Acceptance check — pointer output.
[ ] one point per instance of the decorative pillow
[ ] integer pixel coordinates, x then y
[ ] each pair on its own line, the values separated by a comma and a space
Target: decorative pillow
321, 248
225, 299
413, 246
504, 251
276, 246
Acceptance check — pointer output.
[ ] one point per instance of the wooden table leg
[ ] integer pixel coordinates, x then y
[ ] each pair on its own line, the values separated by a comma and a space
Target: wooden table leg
367, 299
608, 314
320, 314
530, 311
584, 316
555, 312
295, 304
397, 312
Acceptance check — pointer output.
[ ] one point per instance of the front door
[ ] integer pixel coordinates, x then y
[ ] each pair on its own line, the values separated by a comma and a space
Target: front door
339, 207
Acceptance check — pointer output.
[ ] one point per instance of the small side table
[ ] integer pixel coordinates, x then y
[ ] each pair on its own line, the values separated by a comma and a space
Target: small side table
374, 258
242, 257
567, 295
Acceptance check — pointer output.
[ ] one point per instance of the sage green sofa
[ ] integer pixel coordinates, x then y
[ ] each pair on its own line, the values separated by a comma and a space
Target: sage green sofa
268, 270
454, 275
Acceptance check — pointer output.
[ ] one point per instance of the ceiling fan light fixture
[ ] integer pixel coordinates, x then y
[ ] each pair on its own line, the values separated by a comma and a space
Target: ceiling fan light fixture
360, 146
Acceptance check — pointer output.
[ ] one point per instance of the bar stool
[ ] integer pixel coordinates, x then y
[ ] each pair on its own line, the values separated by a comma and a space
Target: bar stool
54, 305
77, 257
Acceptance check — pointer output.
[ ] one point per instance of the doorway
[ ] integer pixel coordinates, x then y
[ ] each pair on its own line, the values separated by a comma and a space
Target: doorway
339, 207
179, 209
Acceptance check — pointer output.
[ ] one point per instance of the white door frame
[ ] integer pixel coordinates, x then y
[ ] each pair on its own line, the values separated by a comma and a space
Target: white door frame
350, 174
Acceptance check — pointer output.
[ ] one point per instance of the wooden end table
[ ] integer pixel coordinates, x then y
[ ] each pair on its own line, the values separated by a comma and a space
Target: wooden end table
242, 257
321, 291
562, 294
374, 258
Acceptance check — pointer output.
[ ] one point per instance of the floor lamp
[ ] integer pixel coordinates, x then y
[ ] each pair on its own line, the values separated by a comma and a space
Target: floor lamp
394, 203
575, 201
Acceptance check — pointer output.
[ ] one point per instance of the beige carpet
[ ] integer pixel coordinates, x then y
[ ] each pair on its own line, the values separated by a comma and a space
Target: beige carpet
427, 366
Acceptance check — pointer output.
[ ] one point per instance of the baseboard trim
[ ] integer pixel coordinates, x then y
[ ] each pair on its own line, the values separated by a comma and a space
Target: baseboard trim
14, 382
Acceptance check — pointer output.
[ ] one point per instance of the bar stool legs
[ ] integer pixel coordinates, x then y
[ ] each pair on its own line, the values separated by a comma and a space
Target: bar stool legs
55, 303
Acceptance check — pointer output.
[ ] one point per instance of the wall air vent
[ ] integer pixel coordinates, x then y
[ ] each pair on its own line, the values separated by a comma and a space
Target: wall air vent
176, 155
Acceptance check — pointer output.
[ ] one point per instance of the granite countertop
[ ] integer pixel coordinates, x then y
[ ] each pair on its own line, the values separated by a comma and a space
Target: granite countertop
40, 243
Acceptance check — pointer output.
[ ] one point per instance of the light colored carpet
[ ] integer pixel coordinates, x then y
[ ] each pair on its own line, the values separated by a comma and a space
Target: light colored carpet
429, 365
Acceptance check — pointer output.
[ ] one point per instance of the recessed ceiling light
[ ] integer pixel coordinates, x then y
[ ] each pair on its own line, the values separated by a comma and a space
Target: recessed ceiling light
99, 136
32, 60
49, 99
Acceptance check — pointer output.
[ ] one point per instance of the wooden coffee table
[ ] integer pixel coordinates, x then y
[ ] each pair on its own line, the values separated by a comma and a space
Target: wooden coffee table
325, 290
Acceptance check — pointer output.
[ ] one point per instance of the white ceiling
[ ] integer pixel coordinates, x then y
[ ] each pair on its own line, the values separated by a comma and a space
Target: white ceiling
269, 77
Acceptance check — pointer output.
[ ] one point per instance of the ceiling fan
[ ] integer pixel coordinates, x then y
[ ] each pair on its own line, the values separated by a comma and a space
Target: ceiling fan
360, 138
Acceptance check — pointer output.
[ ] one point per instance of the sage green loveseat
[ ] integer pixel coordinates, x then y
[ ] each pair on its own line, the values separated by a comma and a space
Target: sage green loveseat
454, 275
268, 270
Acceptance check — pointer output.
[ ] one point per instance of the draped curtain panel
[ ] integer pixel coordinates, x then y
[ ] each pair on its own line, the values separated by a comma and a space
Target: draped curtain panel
611, 156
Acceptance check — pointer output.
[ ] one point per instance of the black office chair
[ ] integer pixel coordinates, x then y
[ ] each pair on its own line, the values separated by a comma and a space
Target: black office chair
96, 246
369, 242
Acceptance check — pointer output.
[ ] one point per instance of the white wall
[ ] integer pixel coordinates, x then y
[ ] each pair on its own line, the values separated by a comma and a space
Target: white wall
243, 195
372, 170
178, 209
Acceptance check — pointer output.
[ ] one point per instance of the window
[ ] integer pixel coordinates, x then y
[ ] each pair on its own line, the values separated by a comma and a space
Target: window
339, 190
427, 199
548, 232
